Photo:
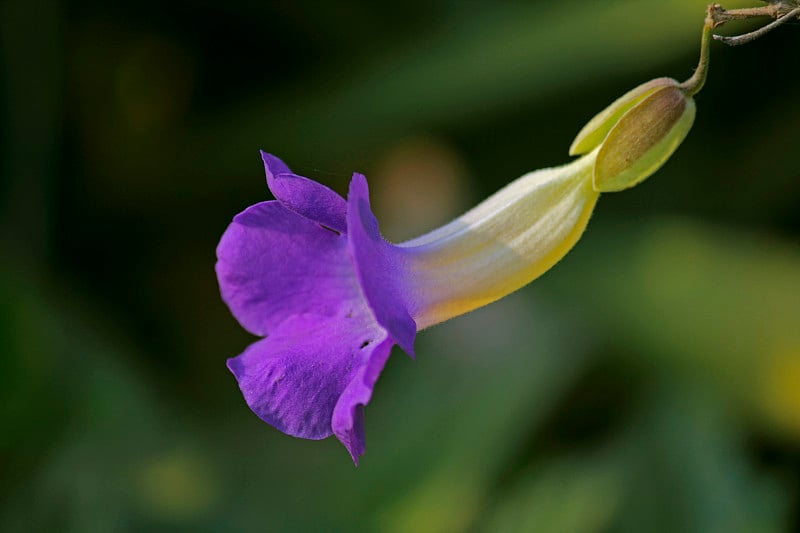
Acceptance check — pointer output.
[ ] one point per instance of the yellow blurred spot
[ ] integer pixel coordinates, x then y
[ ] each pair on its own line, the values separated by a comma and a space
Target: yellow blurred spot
780, 389
446, 504
175, 486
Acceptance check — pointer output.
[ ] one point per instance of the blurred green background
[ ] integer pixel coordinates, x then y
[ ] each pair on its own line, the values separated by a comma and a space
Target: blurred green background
649, 382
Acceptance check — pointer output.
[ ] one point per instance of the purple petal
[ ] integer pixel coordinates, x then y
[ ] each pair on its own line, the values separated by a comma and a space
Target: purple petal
329, 294
310, 367
379, 266
304, 196
273, 264
348, 416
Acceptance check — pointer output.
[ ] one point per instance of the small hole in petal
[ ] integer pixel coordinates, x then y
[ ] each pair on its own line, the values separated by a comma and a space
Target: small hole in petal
323, 226
365, 344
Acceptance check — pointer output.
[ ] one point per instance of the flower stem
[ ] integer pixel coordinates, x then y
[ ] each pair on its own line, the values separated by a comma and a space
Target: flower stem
694, 84
716, 15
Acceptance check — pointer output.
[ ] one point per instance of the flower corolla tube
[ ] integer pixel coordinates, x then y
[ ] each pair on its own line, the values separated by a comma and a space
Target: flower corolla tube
311, 274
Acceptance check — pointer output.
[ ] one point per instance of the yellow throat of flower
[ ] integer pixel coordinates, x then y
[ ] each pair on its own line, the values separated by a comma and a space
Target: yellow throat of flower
504, 243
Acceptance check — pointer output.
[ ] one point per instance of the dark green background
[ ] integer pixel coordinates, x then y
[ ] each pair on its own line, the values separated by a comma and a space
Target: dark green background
649, 382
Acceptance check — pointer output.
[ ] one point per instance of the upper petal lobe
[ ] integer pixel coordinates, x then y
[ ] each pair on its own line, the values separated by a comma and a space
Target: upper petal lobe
273, 264
304, 196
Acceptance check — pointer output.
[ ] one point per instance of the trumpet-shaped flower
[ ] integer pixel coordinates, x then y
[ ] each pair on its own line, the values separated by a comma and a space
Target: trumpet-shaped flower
311, 273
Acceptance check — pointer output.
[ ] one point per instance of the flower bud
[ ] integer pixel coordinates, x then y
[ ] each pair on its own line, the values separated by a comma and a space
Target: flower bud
596, 129
643, 139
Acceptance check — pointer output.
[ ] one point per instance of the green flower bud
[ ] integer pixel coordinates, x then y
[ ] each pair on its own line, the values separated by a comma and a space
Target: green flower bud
643, 139
596, 129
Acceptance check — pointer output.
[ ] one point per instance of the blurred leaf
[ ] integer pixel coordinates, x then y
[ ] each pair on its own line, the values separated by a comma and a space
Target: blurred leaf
570, 495
81, 423
714, 304
490, 378
692, 471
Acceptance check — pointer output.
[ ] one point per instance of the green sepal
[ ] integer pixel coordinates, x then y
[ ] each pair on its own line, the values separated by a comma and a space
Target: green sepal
593, 133
643, 139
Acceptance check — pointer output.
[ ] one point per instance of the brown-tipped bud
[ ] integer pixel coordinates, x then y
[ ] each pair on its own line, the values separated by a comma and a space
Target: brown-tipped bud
643, 139
593, 133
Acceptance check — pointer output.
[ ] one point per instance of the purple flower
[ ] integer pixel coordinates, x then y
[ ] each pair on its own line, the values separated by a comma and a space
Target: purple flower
311, 274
